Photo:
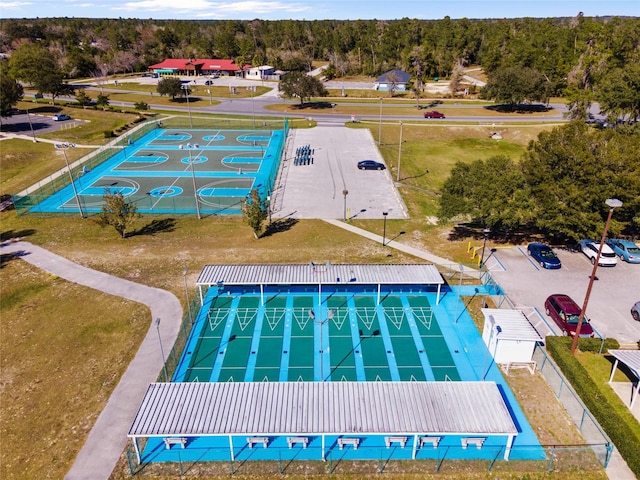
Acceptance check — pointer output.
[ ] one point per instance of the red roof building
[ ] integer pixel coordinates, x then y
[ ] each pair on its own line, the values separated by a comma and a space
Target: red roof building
197, 66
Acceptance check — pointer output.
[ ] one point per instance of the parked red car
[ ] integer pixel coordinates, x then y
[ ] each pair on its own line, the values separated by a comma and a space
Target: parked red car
565, 312
433, 114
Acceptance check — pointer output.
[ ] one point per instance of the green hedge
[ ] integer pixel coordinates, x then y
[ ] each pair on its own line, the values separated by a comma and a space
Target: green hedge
620, 432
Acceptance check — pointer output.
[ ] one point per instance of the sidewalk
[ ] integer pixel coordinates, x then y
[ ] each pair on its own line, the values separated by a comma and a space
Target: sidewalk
108, 437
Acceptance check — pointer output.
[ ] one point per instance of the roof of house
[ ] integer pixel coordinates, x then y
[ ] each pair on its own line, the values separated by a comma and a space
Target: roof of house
203, 63
272, 408
400, 76
513, 323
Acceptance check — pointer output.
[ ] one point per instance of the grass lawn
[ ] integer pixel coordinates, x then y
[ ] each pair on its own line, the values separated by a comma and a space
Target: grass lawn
64, 348
61, 355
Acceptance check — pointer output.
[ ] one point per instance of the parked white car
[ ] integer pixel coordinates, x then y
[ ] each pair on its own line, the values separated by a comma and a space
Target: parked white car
590, 249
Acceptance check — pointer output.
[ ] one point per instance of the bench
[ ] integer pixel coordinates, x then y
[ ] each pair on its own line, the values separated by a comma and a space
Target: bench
434, 441
390, 440
295, 440
182, 441
478, 442
354, 442
251, 441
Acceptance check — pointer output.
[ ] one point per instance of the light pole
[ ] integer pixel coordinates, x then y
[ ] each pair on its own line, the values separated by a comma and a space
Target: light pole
253, 110
399, 152
187, 90
186, 292
612, 203
164, 362
486, 232
384, 229
345, 192
380, 124
193, 177
498, 330
73, 185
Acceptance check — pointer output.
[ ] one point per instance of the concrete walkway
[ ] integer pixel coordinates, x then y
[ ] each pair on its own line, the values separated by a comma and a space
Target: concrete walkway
108, 436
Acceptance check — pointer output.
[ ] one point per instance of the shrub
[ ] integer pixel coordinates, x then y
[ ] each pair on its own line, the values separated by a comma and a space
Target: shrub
615, 425
108, 134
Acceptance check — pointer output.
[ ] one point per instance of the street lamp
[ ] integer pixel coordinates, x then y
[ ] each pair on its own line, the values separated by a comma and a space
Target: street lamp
187, 90
164, 362
399, 152
380, 124
186, 292
193, 177
73, 185
253, 110
486, 232
612, 203
345, 192
384, 229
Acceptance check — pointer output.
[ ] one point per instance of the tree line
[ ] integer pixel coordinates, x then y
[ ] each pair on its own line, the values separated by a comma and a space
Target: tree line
581, 58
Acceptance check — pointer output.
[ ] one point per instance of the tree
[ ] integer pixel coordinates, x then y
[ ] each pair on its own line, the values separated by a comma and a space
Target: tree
141, 105
619, 92
171, 86
10, 91
301, 85
491, 191
255, 211
573, 169
118, 213
83, 99
515, 85
102, 101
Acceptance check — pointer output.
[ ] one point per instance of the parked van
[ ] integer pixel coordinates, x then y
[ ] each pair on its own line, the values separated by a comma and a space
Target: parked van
566, 313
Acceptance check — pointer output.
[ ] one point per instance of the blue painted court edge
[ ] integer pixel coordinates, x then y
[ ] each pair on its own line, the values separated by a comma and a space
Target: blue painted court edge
341, 335
159, 170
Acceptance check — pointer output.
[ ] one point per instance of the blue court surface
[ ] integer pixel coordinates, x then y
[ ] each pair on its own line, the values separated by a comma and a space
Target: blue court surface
168, 170
346, 334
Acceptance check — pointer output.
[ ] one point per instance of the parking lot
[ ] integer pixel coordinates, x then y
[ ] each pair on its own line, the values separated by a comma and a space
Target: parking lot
35, 124
316, 189
613, 293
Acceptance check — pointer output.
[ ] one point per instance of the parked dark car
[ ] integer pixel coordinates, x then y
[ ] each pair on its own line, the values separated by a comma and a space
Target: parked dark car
566, 313
370, 165
60, 117
543, 254
433, 114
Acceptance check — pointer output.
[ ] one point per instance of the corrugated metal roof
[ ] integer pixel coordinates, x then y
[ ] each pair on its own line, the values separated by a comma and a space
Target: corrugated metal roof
631, 358
327, 274
272, 408
514, 324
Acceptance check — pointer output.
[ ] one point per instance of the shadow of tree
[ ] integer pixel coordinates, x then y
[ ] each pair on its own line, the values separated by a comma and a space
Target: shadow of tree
12, 234
278, 226
8, 257
519, 108
156, 226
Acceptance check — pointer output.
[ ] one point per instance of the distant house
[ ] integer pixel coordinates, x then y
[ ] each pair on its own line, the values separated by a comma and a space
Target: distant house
260, 73
198, 66
396, 79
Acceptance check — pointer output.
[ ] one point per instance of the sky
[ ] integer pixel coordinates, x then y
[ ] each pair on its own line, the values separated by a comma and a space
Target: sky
314, 9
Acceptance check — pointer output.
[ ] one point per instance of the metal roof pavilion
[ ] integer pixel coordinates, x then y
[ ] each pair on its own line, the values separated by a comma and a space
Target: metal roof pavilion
320, 274
631, 358
194, 409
